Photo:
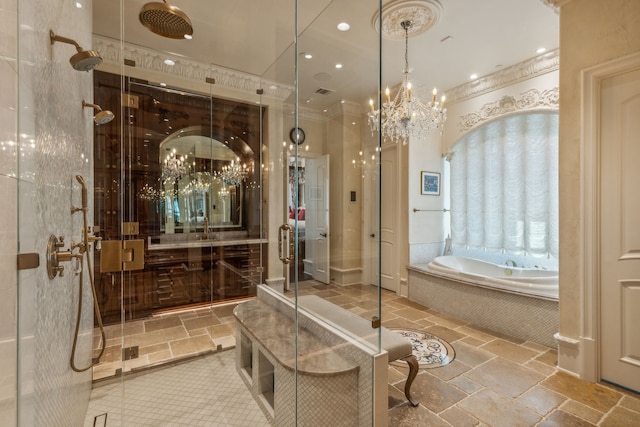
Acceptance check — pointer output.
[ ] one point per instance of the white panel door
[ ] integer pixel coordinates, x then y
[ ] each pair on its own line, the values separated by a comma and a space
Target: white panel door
317, 217
620, 230
389, 195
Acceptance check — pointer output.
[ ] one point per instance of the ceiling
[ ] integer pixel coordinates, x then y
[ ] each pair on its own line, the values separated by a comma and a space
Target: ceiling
256, 37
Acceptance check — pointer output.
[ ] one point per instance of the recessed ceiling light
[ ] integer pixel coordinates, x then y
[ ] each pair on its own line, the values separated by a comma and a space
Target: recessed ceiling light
338, 66
308, 56
343, 26
473, 76
79, 5
169, 62
188, 36
541, 50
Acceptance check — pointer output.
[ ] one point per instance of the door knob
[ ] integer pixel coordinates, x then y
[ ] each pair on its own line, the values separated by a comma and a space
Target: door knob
323, 234
372, 235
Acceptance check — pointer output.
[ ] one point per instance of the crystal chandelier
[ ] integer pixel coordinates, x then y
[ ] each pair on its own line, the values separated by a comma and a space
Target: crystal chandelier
199, 185
174, 167
233, 173
223, 193
406, 115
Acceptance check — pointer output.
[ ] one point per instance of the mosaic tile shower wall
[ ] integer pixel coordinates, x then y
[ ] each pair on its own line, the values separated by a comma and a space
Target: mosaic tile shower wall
52, 144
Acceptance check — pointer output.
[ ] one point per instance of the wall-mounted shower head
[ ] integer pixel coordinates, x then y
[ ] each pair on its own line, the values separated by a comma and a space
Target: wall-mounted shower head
102, 116
83, 60
166, 20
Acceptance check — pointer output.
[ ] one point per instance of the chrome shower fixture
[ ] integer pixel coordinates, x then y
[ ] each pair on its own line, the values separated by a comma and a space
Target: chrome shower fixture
166, 20
83, 60
102, 116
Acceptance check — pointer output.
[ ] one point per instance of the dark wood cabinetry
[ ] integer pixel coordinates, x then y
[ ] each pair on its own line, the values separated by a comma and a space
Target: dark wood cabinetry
182, 276
130, 188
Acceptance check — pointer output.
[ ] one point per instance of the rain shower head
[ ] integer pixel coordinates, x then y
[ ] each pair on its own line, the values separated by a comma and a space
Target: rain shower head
102, 116
83, 60
166, 20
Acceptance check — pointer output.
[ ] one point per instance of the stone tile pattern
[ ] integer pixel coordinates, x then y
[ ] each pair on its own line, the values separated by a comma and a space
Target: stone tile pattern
495, 379
521, 316
166, 337
205, 391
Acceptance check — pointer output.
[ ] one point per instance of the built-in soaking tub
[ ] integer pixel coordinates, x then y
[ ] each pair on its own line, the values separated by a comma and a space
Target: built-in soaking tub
519, 302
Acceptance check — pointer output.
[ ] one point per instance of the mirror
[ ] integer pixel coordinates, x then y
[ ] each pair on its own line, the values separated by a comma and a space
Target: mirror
200, 184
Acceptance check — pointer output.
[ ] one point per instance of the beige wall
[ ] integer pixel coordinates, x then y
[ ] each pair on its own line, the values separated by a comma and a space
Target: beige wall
592, 32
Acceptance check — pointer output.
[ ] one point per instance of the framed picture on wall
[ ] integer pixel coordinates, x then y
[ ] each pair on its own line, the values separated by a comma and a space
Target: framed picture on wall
430, 183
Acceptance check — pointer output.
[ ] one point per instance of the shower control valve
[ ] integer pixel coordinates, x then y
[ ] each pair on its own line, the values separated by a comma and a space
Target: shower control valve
55, 256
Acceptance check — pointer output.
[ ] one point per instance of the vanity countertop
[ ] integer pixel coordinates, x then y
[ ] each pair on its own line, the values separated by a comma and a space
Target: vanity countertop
203, 243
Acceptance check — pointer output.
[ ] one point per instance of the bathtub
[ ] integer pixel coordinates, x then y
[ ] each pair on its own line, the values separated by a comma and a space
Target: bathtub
518, 302
529, 281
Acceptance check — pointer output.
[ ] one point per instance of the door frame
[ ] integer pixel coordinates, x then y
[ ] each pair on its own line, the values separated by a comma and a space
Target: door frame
590, 341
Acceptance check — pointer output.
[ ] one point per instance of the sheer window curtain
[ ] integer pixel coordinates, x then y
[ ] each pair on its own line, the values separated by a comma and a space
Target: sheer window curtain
504, 187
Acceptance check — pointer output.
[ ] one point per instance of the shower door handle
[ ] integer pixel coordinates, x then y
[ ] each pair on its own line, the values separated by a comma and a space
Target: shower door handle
285, 243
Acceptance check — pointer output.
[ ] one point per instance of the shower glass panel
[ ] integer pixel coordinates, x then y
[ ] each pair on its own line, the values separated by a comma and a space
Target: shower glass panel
234, 174
320, 128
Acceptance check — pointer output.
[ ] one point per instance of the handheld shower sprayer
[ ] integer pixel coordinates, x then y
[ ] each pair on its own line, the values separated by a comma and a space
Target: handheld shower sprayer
83, 60
83, 185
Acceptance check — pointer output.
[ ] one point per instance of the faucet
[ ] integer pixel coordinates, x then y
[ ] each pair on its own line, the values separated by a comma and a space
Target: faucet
447, 246
511, 262
206, 228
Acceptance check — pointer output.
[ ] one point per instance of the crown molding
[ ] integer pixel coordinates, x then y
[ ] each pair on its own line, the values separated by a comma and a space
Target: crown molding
556, 4
115, 52
530, 100
344, 108
305, 113
525, 70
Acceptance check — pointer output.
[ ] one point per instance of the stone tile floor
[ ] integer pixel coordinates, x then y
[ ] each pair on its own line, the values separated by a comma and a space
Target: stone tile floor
494, 380
166, 337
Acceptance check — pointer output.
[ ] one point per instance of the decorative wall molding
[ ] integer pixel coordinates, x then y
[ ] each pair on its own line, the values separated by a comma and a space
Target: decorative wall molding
530, 100
344, 108
304, 112
554, 4
525, 70
115, 52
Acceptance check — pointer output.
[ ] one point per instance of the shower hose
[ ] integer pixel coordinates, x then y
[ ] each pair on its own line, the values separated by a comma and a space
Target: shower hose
84, 249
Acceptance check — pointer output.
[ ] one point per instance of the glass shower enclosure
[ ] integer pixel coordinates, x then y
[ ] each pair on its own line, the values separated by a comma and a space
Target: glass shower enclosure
224, 193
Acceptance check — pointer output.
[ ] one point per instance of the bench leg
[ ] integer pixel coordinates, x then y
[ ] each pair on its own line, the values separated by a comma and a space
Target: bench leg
413, 371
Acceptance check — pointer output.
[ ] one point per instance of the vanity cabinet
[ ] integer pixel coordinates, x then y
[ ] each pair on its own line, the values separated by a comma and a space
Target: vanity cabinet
184, 275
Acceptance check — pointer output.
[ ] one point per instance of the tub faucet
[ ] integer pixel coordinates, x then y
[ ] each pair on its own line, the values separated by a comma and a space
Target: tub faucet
511, 262
447, 246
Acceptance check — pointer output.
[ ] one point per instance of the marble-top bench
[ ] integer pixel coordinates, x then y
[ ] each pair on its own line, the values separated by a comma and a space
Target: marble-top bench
398, 347
277, 333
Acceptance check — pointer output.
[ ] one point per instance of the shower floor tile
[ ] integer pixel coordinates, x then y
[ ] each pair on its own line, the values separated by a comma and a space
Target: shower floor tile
206, 391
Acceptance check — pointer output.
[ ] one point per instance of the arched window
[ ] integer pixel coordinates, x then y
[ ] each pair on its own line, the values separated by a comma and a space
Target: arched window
504, 187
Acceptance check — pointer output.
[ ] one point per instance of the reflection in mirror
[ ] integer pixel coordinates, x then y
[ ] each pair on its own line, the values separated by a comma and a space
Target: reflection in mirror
200, 184
192, 161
